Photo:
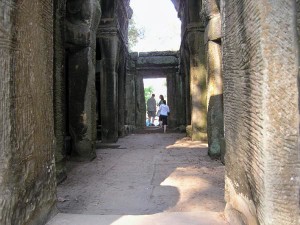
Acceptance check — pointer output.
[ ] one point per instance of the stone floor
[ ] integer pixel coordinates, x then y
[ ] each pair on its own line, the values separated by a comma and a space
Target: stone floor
145, 177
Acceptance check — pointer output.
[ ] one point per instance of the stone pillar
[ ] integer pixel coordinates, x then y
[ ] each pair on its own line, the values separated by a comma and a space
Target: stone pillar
82, 21
198, 75
59, 88
121, 95
172, 99
215, 122
130, 110
187, 94
27, 146
140, 102
110, 48
261, 114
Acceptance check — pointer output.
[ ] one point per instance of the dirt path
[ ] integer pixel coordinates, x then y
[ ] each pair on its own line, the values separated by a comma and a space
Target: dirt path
147, 174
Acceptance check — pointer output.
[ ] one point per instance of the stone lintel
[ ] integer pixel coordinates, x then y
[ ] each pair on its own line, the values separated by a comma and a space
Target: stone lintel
159, 53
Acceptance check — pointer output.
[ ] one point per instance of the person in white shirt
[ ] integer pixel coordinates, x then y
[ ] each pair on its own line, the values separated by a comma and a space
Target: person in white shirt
164, 113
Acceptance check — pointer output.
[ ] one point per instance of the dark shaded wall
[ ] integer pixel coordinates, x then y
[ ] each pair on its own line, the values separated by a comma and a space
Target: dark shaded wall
59, 88
27, 168
194, 66
260, 62
112, 40
82, 19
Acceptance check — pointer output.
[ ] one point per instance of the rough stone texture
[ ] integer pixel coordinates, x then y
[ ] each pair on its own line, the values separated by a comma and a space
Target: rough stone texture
157, 64
215, 120
215, 123
112, 34
59, 89
185, 68
130, 102
121, 94
194, 66
140, 110
81, 26
213, 29
27, 168
260, 55
110, 49
198, 73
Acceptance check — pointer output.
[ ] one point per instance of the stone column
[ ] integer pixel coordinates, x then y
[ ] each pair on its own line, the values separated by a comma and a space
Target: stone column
173, 97
215, 122
121, 94
198, 75
110, 48
187, 94
130, 110
27, 146
261, 111
82, 21
59, 88
140, 102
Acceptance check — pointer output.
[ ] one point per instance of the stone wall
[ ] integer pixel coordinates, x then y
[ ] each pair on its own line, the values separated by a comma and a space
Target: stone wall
194, 63
260, 61
82, 19
210, 12
59, 93
163, 64
27, 169
112, 35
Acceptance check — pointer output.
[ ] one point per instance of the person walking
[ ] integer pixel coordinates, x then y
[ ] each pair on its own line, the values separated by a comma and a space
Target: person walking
161, 97
164, 113
151, 108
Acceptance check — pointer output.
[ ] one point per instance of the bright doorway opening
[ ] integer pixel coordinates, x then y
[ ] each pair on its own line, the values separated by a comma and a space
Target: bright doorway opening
157, 86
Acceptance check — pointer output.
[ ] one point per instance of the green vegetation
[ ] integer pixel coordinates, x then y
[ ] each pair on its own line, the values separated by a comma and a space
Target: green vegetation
134, 34
148, 92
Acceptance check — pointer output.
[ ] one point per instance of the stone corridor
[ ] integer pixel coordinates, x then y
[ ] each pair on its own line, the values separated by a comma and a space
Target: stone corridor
144, 174
69, 81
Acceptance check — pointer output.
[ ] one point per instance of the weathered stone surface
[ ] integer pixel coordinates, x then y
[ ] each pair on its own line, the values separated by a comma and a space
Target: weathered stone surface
210, 9
210, 13
213, 29
157, 60
110, 49
130, 102
260, 53
121, 94
189, 131
215, 122
112, 34
59, 89
27, 168
140, 110
82, 21
198, 95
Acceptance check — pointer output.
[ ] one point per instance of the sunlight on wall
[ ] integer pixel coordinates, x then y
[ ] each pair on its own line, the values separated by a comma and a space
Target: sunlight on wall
161, 24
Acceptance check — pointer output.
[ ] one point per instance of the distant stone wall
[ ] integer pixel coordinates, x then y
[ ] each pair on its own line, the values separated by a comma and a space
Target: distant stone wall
27, 166
163, 64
